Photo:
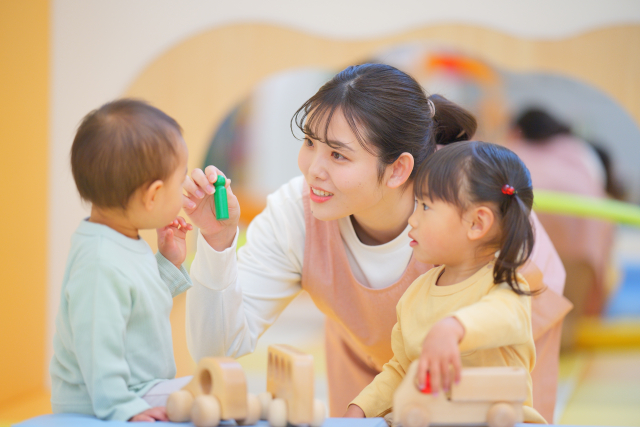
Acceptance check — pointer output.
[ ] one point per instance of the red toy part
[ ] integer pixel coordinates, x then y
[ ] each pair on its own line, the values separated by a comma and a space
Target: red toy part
426, 388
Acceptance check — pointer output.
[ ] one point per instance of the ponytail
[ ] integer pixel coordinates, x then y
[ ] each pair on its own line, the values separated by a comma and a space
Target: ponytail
516, 240
475, 172
452, 123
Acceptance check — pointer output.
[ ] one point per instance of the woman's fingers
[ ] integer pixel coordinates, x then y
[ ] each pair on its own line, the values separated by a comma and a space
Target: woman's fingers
202, 183
194, 192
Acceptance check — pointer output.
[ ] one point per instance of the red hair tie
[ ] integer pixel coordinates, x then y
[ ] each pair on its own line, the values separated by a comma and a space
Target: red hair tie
508, 190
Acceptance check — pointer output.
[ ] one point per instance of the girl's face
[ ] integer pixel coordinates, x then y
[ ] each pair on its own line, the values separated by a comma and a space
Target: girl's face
343, 176
438, 232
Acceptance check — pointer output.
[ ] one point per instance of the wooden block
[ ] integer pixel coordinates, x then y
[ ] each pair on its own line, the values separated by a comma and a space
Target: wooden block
478, 399
495, 383
290, 377
223, 378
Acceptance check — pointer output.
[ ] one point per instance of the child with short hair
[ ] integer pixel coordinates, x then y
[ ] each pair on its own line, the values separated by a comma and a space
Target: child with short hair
113, 336
473, 201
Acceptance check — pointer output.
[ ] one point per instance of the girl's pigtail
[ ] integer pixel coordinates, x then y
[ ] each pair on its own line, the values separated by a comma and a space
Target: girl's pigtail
518, 238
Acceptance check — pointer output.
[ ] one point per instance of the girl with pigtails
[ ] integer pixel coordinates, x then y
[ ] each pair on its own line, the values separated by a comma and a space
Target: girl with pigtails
473, 202
340, 232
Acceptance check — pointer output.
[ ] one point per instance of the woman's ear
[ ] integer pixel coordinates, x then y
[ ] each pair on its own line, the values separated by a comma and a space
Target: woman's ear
150, 195
482, 219
400, 170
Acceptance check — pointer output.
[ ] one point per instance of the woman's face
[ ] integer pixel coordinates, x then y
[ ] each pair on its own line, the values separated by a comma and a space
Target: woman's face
343, 176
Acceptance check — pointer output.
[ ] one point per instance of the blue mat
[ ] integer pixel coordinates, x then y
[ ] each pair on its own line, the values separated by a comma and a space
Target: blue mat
73, 420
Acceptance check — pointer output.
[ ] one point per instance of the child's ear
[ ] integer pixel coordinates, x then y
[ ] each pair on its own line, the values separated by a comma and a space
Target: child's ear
150, 195
482, 219
400, 170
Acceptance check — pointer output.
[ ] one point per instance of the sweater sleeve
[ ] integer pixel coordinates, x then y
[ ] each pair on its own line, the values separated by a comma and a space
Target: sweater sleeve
234, 300
501, 318
376, 400
99, 304
176, 280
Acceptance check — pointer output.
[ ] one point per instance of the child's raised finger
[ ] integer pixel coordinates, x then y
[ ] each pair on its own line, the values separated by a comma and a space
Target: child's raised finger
446, 375
423, 366
435, 376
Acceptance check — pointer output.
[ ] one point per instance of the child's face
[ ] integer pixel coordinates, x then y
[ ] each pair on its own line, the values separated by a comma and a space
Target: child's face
438, 232
170, 201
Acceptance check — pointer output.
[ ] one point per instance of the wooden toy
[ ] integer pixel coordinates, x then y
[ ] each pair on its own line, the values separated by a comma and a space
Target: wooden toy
218, 391
289, 395
220, 199
492, 396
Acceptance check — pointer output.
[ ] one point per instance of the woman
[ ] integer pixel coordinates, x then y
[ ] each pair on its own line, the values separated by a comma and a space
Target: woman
339, 232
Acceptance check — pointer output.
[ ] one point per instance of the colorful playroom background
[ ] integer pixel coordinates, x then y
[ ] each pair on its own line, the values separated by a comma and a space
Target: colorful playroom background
233, 74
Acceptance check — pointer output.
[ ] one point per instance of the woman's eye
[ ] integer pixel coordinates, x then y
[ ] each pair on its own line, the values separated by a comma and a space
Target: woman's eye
308, 142
425, 207
337, 155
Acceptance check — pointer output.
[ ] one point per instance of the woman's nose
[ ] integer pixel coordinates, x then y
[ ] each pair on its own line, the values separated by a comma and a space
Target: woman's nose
317, 167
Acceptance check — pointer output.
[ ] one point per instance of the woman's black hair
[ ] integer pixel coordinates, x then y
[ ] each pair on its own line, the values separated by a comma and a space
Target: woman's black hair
389, 113
474, 172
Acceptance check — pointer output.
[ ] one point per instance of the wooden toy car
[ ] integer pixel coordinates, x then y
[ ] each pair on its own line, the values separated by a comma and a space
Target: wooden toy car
289, 395
217, 391
492, 396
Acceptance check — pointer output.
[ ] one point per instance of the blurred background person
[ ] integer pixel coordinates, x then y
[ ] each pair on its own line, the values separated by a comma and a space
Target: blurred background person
560, 161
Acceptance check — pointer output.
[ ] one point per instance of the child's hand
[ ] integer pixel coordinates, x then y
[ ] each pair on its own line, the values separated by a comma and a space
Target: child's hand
159, 413
354, 411
439, 353
200, 206
171, 241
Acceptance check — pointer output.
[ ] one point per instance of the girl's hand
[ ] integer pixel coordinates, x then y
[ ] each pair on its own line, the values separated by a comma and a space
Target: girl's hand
354, 411
440, 353
199, 205
159, 413
171, 241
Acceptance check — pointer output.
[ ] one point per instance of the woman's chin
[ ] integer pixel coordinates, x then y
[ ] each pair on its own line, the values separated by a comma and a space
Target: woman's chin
324, 213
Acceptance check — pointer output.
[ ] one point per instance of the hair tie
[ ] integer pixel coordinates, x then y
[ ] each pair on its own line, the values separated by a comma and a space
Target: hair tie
432, 108
509, 190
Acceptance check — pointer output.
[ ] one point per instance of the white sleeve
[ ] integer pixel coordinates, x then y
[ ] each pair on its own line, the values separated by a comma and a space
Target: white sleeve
233, 301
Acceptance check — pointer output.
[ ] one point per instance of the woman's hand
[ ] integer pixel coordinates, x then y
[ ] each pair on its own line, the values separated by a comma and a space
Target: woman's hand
200, 206
354, 411
171, 241
440, 354
159, 413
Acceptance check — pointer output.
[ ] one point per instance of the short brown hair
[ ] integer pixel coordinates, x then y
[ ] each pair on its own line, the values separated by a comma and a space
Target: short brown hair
120, 147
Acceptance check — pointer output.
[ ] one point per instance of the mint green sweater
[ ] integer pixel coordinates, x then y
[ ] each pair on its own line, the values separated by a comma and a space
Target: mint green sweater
113, 336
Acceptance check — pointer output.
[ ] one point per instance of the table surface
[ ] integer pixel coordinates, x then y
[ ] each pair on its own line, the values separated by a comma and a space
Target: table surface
74, 420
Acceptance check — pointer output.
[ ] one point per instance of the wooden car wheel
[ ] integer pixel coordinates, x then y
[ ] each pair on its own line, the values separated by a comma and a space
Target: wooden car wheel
414, 416
319, 413
179, 406
205, 411
277, 413
253, 411
265, 399
501, 415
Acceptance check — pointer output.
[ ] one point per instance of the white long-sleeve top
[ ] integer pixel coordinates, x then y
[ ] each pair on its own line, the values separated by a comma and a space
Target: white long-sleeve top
234, 299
